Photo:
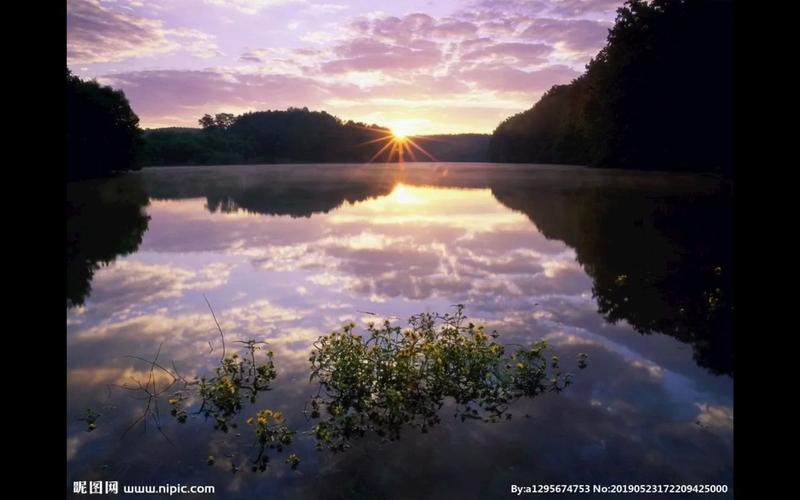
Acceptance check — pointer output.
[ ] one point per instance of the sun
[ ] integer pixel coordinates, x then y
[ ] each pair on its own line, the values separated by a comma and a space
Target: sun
397, 144
399, 136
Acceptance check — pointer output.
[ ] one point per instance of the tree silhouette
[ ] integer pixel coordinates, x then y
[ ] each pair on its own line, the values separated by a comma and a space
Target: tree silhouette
657, 96
103, 134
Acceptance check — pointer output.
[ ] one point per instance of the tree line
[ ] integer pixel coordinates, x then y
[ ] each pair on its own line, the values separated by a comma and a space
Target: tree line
657, 96
295, 135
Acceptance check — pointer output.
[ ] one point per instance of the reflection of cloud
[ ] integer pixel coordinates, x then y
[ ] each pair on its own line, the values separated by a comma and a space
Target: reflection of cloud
714, 416
73, 444
85, 377
416, 249
257, 316
651, 368
134, 282
416, 242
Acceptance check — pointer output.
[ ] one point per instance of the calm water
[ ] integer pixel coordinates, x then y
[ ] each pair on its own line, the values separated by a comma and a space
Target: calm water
631, 268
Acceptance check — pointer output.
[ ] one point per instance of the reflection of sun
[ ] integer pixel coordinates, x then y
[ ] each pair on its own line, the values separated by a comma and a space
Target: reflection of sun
404, 196
398, 145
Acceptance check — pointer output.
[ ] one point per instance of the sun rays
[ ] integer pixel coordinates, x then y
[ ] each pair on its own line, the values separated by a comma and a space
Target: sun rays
397, 146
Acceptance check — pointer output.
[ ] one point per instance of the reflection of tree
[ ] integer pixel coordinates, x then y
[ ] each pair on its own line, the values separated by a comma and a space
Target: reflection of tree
297, 191
659, 260
105, 219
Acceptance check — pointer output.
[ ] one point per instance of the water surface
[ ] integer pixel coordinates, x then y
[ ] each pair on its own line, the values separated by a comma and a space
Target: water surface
631, 268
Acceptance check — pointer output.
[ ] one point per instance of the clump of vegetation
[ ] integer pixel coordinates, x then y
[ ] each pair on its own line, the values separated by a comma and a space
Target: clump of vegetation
382, 382
293, 460
90, 419
393, 378
237, 377
271, 432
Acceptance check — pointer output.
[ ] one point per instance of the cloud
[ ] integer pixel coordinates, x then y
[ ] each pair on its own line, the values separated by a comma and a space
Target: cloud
714, 416
577, 35
189, 94
523, 53
125, 284
449, 29
508, 79
363, 54
480, 8
458, 73
250, 6
412, 26
575, 8
97, 34
561, 8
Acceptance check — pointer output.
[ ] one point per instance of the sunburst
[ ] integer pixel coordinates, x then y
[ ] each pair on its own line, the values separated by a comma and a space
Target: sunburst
397, 146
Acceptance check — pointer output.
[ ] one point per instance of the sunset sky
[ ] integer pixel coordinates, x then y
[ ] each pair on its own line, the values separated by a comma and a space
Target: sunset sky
417, 66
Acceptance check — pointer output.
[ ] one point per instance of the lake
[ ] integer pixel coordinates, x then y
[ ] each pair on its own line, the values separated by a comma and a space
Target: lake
631, 268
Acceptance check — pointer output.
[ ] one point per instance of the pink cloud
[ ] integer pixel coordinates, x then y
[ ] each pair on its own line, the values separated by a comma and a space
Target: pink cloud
421, 61
581, 7
190, 94
413, 26
454, 29
526, 53
363, 54
97, 34
474, 43
576, 34
561, 8
508, 79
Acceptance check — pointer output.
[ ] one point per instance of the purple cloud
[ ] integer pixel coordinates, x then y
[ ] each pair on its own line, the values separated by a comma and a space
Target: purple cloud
97, 34
508, 79
186, 95
363, 54
431, 69
525, 53
561, 8
412, 26
576, 34
454, 29
575, 8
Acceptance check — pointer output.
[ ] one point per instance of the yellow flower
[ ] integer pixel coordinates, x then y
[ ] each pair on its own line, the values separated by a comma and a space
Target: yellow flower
520, 366
173, 401
250, 420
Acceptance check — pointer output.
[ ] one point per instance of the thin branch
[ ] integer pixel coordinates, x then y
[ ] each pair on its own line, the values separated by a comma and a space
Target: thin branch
222, 335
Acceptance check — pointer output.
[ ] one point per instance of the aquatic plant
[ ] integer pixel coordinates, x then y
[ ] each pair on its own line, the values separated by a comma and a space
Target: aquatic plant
271, 432
392, 378
381, 382
90, 419
238, 379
